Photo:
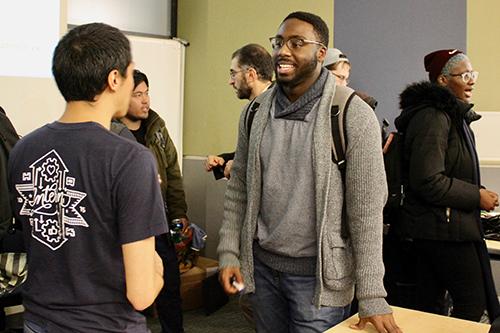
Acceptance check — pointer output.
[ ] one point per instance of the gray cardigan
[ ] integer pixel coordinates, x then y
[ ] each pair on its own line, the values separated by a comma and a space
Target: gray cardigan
341, 262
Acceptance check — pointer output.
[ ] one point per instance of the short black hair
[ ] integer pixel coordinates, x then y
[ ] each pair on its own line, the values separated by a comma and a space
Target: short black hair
85, 56
317, 22
257, 57
140, 77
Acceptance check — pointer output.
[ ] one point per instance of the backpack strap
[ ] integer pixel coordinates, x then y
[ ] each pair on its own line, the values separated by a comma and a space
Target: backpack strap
251, 110
340, 105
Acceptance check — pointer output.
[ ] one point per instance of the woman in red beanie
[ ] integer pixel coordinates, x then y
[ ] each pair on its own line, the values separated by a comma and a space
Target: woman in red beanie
444, 196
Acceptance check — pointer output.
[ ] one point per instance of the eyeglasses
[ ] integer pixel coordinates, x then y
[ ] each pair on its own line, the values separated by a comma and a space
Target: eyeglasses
232, 74
467, 76
140, 94
292, 43
342, 78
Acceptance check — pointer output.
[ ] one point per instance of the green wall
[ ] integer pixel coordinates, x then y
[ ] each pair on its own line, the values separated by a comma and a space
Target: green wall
483, 29
216, 28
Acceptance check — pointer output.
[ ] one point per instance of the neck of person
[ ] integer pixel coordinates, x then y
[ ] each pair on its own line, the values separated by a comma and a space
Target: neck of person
132, 124
85, 111
293, 92
260, 87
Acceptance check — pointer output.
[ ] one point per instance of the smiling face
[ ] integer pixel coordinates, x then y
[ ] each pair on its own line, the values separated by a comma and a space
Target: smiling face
454, 82
298, 66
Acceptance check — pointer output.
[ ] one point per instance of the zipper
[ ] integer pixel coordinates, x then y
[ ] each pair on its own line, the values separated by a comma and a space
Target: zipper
448, 214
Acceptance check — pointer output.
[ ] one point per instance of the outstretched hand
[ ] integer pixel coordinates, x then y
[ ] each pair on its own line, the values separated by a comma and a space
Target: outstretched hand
383, 323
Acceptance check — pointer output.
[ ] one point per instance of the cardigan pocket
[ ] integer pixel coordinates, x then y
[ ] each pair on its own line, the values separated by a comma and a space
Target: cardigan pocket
338, 263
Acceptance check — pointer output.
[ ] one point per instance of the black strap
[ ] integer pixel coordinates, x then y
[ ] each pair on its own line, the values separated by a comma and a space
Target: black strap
339, 132
251, 111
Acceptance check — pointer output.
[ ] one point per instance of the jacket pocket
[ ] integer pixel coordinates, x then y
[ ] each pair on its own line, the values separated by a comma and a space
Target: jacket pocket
338, 263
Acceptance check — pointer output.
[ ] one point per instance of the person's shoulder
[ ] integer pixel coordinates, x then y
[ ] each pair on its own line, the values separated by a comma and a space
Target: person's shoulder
34, 137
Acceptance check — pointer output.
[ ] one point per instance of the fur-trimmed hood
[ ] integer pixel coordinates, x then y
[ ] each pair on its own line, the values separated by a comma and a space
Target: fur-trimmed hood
421, 95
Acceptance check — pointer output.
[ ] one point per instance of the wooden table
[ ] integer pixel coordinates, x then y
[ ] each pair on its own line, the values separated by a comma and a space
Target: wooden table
493, 246
411, 321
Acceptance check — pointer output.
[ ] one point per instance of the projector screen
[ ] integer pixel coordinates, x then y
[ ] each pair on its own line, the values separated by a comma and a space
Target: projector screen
30, 30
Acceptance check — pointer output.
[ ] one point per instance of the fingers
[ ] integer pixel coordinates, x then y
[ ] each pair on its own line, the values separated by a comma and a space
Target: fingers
360, 325
225, 276
227, 169
382, 323
213, 161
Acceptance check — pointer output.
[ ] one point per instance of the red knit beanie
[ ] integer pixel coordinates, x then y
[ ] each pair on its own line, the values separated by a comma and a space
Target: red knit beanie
435, 61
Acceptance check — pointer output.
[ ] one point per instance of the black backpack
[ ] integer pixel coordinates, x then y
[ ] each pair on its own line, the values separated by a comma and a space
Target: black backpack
396, 179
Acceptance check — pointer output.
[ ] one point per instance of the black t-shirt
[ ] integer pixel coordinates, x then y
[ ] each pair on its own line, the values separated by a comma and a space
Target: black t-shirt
140, 133
80, 193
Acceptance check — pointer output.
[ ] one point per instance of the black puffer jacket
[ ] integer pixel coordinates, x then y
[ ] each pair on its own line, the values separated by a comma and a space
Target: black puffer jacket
440, 162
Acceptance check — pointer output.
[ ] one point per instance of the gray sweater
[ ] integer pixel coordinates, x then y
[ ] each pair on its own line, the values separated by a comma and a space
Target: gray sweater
341, 262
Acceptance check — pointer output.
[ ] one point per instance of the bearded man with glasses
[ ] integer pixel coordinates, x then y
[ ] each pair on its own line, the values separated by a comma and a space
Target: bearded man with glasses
281, 237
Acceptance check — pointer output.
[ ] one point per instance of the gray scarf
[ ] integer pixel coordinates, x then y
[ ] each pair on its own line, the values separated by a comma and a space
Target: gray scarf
302, 106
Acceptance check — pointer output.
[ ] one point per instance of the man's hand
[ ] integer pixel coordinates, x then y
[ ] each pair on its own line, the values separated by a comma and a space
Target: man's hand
185, 224
227, 169
213, 161
225, 278
383, 323
488, 200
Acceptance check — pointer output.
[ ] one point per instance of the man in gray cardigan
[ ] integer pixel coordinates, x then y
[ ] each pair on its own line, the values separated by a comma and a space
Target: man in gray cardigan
282, 235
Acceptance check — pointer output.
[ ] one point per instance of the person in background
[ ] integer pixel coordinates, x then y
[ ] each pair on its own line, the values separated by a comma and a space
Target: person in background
88, 201
149, 129
339, 65
444, 196
250, 74
8, 138
281, 235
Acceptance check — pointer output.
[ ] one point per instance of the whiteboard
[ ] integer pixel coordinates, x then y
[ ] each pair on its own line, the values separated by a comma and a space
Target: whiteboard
33, 102
162, 60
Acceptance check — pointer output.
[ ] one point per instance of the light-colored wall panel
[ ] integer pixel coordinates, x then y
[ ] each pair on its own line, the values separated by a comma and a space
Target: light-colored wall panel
483, 29
216, 28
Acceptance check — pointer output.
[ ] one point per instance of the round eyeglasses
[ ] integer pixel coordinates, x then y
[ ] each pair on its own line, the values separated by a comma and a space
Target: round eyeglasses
467, 76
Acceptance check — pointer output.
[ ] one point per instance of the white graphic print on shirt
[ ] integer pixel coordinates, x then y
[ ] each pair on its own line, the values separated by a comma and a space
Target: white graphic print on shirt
47, 198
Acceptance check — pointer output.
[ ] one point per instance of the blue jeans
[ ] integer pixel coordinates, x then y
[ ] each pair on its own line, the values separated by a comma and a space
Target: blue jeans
31, 327
283, 302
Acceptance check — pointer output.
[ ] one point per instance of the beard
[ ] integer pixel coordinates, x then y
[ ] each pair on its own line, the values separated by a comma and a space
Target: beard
301, 75
135, 118
244, 92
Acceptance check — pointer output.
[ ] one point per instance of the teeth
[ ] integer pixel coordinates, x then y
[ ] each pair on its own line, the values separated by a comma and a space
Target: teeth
285, 66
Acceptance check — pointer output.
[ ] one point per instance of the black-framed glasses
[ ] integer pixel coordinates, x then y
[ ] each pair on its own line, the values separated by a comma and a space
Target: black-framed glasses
293, 43
467, 76
342, 78
232, 73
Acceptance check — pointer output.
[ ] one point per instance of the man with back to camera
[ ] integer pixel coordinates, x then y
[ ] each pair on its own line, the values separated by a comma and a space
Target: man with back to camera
149, 129
250, 74
281, 233
88, 201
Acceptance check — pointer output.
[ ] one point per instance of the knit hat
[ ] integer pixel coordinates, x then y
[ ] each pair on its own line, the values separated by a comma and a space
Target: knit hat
434, 62
333, 56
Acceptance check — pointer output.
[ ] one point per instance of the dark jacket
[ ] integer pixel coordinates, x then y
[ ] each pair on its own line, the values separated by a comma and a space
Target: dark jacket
441, 166
8, 137
162, 146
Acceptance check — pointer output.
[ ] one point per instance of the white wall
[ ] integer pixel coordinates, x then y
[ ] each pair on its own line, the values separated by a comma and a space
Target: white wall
487, 133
